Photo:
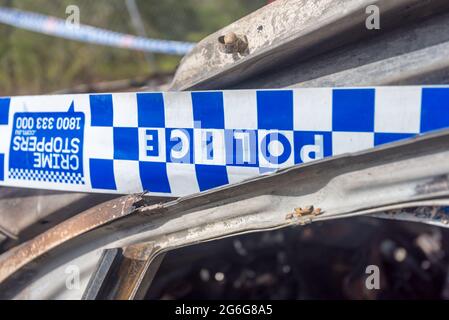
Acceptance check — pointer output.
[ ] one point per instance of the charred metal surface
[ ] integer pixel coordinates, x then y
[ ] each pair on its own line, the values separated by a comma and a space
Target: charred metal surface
436, 214
319, 261
100, 282
134, 265
291, 31
92, 218
412, 54
123, 274
438, 184
25, 213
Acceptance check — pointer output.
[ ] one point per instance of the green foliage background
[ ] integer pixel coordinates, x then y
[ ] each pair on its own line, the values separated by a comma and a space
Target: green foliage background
32, 63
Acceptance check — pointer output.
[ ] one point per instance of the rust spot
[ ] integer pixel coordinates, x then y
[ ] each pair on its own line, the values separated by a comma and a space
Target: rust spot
132, 270
232, 43
300, 212
306, 212
139, 251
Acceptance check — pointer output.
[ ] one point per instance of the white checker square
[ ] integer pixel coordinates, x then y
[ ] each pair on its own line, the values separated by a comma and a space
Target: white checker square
125, 110
51, 103
151, 139
238, 174
127, 176
82, 103
398, 110
312, 109
178, 110
209, 146
344, 142
182, 179
5, 137
99, 142
275, 149
240, 109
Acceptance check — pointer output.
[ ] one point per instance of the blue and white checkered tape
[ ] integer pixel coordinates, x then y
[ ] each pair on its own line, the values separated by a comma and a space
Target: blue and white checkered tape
58, 27
179, 143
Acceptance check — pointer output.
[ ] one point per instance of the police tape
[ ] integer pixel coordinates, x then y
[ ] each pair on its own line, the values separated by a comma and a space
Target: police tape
179, 143
58, 27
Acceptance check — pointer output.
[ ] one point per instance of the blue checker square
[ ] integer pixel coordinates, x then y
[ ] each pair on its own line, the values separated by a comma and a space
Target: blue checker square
435, 109
152, 142
283, 140
2, 167
210, 176
4, 110
150, 110
275, 109
208, 110
382, 138
102, 174
153, 176
126, 143
353, 110
312, 145
101, 110
241, 148
179, 144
